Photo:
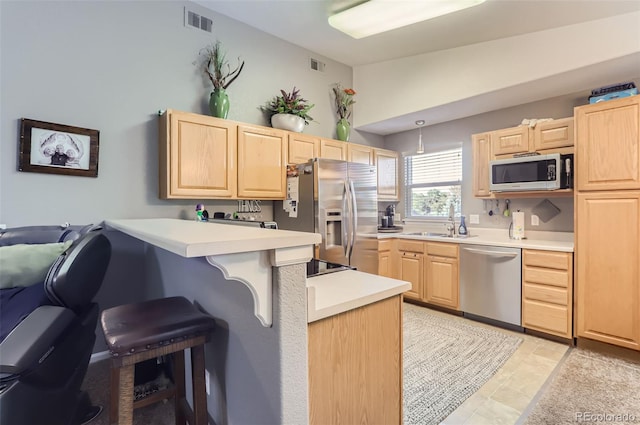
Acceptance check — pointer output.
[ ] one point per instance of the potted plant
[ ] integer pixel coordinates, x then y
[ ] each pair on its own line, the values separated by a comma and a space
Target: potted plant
344, 101
290, 111
215, 65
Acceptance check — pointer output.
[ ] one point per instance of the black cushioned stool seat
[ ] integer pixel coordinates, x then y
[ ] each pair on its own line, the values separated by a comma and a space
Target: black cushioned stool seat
146, 330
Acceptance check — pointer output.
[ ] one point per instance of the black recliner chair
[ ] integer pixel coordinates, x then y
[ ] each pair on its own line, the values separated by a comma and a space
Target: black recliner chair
44, 358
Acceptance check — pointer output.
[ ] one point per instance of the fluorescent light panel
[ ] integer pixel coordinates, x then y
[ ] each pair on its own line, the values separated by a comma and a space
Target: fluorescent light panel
376, 16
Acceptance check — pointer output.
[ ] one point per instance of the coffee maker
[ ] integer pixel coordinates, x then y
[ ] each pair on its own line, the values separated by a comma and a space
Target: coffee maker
390, 213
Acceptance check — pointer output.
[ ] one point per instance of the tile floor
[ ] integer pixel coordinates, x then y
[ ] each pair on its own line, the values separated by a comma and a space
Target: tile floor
505, 397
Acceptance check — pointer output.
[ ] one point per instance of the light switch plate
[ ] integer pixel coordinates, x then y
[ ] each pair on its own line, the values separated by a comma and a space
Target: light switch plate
474, 219
535, 220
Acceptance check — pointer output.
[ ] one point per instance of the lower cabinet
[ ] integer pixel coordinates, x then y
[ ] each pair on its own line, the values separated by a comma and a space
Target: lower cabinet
355, 366
547, 292
441, 277
386, 258
411, 266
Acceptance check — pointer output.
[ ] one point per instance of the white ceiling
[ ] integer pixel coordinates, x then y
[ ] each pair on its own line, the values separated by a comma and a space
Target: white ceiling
304, 23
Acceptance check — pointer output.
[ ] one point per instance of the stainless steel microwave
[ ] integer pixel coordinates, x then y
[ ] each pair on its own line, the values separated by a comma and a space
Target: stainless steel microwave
535, 172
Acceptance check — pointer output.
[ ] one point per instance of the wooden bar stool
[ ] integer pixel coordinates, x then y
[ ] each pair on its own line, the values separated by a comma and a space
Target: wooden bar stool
146, 330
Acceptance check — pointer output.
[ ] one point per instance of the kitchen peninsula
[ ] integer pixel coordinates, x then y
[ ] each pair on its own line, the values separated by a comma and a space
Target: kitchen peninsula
258, 363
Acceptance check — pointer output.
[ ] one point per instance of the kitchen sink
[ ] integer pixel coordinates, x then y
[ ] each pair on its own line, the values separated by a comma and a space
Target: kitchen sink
438, 235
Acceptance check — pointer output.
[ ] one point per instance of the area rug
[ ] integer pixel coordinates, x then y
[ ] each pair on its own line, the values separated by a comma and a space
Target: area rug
446, 360
590, 387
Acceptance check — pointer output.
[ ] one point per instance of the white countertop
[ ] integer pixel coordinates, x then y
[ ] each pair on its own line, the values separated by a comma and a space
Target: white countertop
549, 241
198, 239
333, 293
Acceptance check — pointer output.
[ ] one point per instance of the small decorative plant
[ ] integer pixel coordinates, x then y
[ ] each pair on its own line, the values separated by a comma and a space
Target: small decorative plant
344, 100
290, 103
215, 65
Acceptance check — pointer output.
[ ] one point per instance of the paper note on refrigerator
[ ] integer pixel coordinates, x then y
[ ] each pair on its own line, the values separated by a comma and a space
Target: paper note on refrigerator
291, 204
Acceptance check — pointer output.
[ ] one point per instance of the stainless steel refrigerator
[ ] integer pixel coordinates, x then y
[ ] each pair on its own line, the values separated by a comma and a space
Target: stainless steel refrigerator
339, 200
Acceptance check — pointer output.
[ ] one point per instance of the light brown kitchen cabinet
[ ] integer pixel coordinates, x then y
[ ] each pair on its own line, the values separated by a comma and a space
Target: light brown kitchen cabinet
441, 281
197, 156
355, 366
411, 266
302, 147
547, 292
333, 149
481, 148
386, 162
608, 145
608, 267
509, 141
261, 162
360, 153
553, 134
386, 249
607, 222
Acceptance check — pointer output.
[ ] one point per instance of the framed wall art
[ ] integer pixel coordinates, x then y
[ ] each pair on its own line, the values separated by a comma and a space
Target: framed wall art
58, 149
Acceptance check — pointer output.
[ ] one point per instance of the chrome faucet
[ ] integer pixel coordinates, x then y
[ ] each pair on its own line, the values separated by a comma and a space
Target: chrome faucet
451, 224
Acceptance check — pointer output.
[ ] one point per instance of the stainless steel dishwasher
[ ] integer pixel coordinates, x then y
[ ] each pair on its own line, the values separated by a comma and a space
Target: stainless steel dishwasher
490, 284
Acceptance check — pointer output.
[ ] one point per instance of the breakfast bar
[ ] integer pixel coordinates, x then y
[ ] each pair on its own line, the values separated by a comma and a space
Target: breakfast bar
253, 281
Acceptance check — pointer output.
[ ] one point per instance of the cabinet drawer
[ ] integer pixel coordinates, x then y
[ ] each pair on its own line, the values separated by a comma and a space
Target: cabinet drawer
546, 276
547, 259
547, 294
553, 134
548, 318
384, 245
412, 246
442, 249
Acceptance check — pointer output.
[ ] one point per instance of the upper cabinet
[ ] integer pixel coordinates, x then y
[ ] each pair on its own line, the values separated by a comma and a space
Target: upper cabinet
553, 134
333, 149
261, 162
360, 153
386, 162
203, 157
301, 148
509, 141
608, 145
197, 156
481, 147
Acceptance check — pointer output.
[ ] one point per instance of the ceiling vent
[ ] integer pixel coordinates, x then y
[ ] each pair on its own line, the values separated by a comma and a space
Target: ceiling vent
194, 20
316, 65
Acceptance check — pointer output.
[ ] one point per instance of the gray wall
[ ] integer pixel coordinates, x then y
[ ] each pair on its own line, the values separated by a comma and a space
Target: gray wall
110, 66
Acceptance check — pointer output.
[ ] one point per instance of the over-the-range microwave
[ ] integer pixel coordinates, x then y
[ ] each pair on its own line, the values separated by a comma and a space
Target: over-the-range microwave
531, 172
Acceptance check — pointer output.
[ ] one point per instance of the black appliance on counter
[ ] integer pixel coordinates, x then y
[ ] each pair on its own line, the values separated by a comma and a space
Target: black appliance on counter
317, 267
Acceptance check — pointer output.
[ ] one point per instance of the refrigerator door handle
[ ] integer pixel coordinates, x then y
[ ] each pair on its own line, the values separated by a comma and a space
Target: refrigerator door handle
345, 219
354, 215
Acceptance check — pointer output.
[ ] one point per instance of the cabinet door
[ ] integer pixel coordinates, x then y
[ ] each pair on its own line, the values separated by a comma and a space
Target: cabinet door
387, 166
441, 281
411, 268
197, 156
333, 149
301, 148
481, 145
510, 140
608, 145
607, 267
360, 154
261, 163
553, 134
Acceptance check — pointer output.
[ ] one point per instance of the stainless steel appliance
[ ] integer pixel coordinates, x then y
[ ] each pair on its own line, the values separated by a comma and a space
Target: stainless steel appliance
531, 172
490, 284
339, 200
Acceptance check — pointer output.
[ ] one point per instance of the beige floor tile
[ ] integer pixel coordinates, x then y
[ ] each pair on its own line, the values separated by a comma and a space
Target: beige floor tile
550, 352
512, 398
493, 413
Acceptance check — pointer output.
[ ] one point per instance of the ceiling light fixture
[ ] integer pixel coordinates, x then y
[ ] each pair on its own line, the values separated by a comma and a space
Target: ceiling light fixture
420, 149
376, 16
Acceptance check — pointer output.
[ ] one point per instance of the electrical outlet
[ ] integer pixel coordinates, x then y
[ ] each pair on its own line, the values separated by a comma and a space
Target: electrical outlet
206, 382
474, 219
535, 220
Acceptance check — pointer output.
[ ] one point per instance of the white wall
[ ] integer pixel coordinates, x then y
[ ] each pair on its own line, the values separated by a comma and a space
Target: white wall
110, 66
496, 74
